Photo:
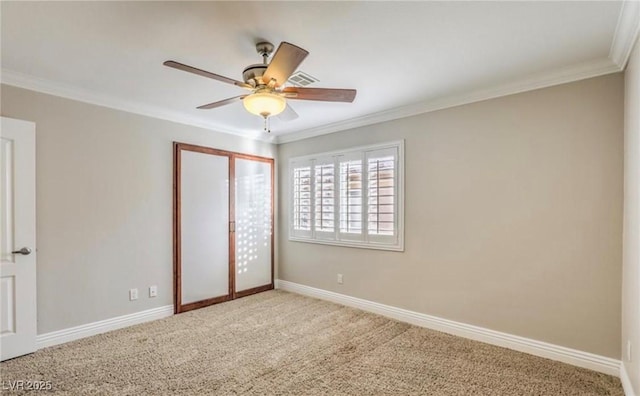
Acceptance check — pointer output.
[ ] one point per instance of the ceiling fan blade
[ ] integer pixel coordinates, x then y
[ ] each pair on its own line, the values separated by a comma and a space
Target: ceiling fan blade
204, 73
221, 103
322, 94
288, 114
285, 61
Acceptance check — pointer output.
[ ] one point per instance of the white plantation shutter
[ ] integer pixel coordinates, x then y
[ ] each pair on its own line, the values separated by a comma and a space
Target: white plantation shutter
301, 199
324, 198
351, 198
351, 189
381, 195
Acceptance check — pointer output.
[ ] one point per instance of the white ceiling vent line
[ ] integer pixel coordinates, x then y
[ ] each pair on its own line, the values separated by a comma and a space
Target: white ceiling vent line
301, 79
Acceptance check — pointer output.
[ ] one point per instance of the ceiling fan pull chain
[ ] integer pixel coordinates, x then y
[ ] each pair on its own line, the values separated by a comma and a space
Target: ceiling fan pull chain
267, 125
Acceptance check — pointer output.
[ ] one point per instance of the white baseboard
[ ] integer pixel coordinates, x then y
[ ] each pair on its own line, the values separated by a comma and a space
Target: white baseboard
89, 329
538, 348
626, 381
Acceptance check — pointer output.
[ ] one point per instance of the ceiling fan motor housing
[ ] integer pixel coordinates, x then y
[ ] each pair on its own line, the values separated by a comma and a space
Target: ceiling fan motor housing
254, 73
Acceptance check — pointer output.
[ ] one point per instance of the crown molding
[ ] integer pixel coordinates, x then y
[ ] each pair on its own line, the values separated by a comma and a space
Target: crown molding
542, 80
626, 34
25, 81
537, 81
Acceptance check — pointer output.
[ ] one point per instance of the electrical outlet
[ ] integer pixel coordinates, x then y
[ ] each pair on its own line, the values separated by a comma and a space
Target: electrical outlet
133, 294
629, 350
340, 279
153, 291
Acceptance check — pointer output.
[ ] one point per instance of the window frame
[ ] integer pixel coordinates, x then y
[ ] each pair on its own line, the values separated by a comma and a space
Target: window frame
337, 238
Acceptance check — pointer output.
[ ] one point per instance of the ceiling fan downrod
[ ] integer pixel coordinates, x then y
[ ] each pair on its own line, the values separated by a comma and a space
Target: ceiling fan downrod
264, 49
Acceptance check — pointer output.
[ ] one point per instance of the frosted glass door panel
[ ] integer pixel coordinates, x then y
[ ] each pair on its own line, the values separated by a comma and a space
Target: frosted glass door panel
204, 226
253, 224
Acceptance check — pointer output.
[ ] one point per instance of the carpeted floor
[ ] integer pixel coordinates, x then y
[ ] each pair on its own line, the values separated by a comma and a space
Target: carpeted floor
278, 343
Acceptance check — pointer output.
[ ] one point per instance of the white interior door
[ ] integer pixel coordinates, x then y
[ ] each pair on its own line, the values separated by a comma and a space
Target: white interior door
204, 228
253, 209
18, 239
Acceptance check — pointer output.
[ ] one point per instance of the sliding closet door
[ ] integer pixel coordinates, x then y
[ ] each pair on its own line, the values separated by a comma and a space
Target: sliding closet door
223, 226
254, 225
202, 227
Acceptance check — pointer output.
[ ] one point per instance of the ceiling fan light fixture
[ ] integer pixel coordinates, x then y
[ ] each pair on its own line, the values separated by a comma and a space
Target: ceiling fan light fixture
264, 104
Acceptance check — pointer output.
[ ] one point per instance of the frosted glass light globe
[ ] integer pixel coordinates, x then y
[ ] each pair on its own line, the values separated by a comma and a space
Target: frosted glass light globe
264, 104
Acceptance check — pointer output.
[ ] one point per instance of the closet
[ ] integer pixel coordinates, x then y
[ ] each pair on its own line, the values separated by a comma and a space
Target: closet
223, 225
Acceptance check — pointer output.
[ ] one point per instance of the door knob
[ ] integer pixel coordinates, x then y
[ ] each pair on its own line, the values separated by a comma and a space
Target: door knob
25, 250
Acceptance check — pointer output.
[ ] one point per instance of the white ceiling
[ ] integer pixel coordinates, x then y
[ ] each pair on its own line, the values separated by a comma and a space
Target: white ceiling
402, 57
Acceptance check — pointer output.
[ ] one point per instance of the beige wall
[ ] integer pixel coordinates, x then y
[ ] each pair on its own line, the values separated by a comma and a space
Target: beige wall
513, 217
513, 212
104, 205
631, 250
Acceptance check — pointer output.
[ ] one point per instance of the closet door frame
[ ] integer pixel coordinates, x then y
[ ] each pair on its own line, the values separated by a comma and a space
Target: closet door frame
177, 252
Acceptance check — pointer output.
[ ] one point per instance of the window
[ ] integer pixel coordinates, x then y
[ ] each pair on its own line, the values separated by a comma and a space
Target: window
349, 198
302, 198
324, 199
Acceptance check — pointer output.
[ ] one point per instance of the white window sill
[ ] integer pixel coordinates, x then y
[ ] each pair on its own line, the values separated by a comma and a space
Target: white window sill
359, 245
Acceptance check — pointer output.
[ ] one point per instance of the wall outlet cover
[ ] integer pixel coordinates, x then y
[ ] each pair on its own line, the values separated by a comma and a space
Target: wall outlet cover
133, 294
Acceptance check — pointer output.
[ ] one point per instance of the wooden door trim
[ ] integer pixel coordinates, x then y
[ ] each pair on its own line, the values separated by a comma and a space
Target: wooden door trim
177, 247
204, 303
177, 252
253, 290
232, 233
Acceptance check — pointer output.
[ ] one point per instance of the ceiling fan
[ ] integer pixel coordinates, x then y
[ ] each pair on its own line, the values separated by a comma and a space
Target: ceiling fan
266, 81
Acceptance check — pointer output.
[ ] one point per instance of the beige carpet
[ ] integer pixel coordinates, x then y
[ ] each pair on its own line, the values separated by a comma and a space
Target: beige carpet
278, 343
